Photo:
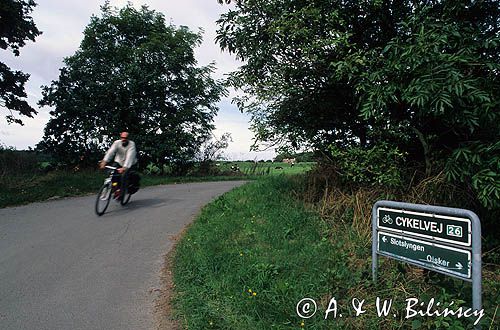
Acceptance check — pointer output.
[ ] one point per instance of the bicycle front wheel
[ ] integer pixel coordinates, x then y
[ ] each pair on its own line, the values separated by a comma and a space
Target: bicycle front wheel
103, 198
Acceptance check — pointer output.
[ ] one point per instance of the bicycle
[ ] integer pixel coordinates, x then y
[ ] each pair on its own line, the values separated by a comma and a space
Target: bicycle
111, 190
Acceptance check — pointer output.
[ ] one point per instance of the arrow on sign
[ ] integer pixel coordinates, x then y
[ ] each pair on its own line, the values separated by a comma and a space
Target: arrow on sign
458, 266
384, 239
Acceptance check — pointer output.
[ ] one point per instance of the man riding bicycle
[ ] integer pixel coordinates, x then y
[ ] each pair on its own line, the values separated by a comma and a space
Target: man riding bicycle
125, 156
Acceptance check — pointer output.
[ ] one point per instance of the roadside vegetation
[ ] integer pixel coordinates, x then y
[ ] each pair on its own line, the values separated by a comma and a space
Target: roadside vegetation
400, 98
28, 176
255, 252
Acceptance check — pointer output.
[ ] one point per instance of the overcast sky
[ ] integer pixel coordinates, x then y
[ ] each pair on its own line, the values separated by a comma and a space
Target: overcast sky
62, 23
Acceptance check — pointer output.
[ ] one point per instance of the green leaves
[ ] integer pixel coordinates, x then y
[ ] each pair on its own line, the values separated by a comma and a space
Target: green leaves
478, 164
15, 28
379, 165
132, 72
359, 73
294, 53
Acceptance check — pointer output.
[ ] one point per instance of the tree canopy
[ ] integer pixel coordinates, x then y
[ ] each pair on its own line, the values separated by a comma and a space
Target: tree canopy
420, 75
132, 72
16, 26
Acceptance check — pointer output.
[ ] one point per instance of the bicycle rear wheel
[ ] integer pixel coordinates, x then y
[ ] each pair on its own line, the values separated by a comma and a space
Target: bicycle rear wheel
103, 198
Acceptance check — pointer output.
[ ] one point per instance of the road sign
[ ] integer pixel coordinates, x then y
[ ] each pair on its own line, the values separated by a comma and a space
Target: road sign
444, 239
445, 259
447, 229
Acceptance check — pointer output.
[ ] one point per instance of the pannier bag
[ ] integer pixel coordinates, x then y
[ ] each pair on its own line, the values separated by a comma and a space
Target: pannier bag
134, 182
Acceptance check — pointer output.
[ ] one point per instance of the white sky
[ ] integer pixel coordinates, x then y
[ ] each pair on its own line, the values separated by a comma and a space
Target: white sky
62, 23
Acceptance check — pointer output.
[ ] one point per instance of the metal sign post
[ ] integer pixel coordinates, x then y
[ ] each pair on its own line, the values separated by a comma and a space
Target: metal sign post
442, 239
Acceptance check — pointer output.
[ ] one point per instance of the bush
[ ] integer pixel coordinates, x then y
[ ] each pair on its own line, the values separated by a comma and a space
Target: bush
378, 165
17, 162
45, 166
478, 167
204, 168
153, 169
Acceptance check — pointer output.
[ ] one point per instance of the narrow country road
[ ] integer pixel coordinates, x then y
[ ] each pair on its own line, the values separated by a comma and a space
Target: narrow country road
63, 267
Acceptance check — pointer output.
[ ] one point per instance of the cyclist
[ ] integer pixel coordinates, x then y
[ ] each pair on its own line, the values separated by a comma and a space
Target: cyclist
125, 157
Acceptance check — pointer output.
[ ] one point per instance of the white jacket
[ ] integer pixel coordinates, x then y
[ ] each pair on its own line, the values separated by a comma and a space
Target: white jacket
125, 156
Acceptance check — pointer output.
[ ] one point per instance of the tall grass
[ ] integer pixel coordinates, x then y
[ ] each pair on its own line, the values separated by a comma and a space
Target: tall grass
260, 238
347, 212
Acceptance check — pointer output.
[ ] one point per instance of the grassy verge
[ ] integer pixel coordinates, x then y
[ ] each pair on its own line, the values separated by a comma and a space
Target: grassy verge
247, 260
23, 189
32, 186
26, 188
254, 253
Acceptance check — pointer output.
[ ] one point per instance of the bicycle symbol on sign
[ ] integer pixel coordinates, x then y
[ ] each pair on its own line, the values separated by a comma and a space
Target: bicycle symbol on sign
387, 219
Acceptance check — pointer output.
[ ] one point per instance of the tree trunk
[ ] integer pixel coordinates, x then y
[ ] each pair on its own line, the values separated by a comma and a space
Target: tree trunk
426, 148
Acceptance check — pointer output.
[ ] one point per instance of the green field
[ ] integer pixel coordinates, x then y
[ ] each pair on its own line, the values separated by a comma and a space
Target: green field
261, 168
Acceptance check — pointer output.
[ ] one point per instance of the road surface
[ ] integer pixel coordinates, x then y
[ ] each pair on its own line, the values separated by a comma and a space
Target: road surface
62, 267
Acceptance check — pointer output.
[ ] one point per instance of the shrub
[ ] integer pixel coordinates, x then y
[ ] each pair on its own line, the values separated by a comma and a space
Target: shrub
478, 167
378, 165
17, 162
152, 169
45, 166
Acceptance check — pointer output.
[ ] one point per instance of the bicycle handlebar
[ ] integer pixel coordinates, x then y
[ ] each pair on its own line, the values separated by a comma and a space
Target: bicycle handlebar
111, 167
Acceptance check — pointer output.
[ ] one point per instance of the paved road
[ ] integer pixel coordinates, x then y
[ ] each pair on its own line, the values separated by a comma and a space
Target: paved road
62, 267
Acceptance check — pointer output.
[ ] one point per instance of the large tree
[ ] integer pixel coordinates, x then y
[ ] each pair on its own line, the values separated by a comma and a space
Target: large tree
132, 72
16, 26
422, 75
293, 51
